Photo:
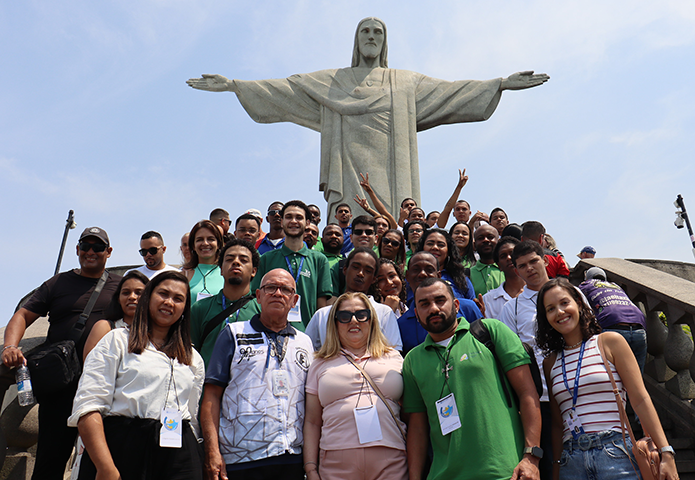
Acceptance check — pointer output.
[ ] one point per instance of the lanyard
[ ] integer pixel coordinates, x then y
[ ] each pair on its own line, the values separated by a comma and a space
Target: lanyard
289, 267
205, 275
277, 348
224, 307
576, 377
172, 380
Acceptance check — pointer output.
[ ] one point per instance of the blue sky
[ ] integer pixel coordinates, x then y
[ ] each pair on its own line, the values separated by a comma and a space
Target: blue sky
95, 116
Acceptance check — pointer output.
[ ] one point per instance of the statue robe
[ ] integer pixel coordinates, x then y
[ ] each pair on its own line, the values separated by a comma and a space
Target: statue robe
369, 126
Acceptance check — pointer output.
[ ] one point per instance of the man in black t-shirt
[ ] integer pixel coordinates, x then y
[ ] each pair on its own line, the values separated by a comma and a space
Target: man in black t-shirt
63, 298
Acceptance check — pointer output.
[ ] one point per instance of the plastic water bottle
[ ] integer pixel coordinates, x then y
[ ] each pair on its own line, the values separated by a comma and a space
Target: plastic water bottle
25, 394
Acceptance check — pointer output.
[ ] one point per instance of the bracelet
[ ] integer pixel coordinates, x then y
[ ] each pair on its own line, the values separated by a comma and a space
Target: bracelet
9, 346
309, 463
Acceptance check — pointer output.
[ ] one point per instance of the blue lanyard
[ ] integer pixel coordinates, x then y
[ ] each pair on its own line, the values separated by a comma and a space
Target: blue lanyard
224, 307
576, 377
289, 267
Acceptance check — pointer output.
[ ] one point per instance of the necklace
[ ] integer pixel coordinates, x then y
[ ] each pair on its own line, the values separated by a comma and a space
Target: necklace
570, 347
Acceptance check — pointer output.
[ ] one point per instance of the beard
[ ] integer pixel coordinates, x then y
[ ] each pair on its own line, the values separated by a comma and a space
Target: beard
235, 281
445, 324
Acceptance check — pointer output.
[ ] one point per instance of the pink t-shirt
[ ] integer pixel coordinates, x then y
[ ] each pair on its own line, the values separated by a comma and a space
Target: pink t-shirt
337, 384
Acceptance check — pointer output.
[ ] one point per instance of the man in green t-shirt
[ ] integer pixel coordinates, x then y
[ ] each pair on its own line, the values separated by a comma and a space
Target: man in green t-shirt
485, 274
238, 264
308, 267
453, 393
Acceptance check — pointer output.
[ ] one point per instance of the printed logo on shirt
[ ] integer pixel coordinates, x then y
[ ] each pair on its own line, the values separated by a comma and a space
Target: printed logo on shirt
301, 358
249, 339
469, 356
305, 273
247, 353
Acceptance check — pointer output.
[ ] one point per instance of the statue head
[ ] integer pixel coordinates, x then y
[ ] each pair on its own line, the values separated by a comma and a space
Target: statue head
383, 56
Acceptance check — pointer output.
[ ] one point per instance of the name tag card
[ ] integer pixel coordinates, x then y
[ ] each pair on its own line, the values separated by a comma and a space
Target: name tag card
202, 295
368, 426
280, 386
574, 423
171, 431
448, 414
295, 314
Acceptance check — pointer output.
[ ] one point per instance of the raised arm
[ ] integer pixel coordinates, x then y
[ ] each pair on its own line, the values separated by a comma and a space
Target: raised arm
523, 80
364, 183
212, 83
444, 216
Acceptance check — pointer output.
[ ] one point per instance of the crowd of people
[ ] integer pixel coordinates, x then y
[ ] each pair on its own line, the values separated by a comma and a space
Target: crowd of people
343, 353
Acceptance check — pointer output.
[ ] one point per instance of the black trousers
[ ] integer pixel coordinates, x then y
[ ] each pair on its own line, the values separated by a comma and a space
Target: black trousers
134, 447
56, 439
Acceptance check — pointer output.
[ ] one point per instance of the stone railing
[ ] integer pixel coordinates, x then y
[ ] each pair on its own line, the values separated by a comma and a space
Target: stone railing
672, 363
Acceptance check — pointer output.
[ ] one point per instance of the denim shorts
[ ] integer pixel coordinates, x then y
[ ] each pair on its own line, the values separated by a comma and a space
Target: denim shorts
598, 456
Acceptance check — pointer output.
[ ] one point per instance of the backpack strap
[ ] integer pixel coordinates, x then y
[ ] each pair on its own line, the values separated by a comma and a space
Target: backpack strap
481, 333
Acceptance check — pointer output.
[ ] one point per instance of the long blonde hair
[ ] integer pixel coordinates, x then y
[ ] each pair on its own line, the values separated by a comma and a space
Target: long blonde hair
377, 344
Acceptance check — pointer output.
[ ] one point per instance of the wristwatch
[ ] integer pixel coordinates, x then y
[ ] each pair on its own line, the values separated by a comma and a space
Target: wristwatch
668, 449
535, 451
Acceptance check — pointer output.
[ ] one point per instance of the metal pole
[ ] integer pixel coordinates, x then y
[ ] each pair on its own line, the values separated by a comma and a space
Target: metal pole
69, 225
684, 216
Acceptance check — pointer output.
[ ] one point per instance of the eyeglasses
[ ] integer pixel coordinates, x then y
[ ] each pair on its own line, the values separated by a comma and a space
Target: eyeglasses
271, 289
151, 251
359, 232
96, 247
388, 241
274, 213
345, 316
414, 230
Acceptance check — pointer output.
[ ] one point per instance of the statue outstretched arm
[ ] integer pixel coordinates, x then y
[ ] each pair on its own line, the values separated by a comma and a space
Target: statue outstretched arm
523, 80
212, 83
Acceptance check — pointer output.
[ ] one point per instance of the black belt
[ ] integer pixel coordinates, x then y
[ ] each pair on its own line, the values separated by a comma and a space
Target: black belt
634, 326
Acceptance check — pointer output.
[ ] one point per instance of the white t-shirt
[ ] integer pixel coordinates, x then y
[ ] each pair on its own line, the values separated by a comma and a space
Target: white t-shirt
149, 273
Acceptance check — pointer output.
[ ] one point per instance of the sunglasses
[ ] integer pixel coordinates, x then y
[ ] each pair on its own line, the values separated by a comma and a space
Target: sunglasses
151, 251
273, 213
96, 247
271, 289
345, 316
388, 241
359, 232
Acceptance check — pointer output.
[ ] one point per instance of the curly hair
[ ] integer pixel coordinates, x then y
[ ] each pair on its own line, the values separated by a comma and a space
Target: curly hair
550, 340
452, 264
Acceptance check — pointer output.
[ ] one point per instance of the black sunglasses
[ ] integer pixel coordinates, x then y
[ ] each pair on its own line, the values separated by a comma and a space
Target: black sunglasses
96, 247
272, 213
359, 232
151, 251
345, 316
388, 241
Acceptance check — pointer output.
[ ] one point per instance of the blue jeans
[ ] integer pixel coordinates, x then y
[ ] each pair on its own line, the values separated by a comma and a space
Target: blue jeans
597, 456
637, 339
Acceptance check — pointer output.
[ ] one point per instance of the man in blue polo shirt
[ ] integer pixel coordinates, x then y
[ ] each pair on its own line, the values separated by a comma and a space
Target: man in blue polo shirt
275, 236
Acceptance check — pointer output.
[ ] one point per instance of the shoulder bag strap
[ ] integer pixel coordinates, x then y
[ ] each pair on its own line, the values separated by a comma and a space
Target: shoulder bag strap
378, 392
217, 319
78, 329
480, 331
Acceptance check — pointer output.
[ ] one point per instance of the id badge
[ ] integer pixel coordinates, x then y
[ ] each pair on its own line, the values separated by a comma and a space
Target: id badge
170, 433
295, 314
574, 423
368, 426
448, 414
202, 295
281, 387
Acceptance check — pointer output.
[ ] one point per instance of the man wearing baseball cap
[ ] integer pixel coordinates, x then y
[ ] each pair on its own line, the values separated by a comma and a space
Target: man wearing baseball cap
587, 252
63, 298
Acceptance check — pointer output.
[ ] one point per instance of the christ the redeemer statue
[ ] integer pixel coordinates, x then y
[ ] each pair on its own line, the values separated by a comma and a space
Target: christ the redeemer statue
368, 115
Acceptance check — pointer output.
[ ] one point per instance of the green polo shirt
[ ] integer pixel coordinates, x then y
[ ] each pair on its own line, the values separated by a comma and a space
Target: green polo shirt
332, 258
314, 279
205, 310
486, 277
490, 442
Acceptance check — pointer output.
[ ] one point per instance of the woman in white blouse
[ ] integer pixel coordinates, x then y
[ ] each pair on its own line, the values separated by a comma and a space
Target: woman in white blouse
137, 401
